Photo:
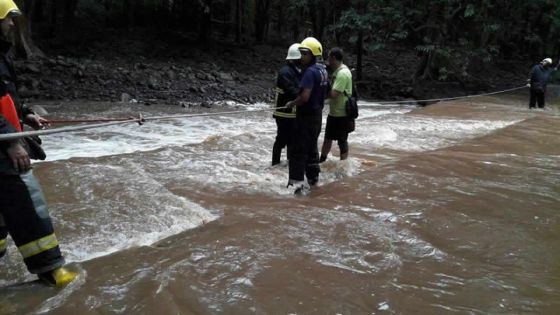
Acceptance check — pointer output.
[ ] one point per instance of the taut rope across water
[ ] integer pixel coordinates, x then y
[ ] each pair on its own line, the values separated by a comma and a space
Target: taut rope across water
140, 120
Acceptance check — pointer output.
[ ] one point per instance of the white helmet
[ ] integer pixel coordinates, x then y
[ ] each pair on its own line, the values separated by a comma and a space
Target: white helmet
293, 52
547, 61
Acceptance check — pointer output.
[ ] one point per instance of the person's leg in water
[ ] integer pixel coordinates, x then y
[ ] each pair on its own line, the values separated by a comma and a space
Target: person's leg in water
312, 168
325, 150
284, 138
290, 125
297, 155
540, 99
279, 142
343, 146
330, 135
28, 222
532, 99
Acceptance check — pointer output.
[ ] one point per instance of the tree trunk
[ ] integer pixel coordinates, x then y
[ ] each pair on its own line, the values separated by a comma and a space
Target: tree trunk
318, 15
70, 7
205, 32
128, 11
295, 26
484, 35
238, 21
434, 34
24, 43
261, 19
313, 16
359, 54
52, 18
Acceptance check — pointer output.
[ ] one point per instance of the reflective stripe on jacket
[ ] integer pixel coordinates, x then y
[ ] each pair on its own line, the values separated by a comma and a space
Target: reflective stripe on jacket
287, 89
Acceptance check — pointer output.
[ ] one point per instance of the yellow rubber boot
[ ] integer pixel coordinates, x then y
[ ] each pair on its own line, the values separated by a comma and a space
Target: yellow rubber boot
59, 277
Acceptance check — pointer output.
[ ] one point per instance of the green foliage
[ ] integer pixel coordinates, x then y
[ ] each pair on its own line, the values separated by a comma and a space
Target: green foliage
425, 48
443, 74
449, 33
470, 10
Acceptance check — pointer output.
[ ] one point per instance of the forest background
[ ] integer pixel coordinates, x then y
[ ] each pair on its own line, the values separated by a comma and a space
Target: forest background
196, 51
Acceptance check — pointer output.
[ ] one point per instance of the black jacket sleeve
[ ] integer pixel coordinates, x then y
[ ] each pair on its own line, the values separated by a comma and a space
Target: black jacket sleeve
26, 111
289, 82
530, 76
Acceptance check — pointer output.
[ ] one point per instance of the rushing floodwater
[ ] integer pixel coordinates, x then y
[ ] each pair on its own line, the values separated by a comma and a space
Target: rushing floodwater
452, 208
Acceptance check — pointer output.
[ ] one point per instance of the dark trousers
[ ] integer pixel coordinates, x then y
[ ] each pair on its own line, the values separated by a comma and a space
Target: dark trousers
24, 215
284, 138
337, 129
305, 158
537, 96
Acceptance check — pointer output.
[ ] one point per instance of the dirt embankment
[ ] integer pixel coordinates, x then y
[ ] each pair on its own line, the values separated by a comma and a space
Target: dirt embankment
152, 70
197, 78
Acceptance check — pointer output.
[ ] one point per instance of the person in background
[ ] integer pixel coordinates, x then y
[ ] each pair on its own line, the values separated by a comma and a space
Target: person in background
538, 79
23, 210
337, 120
314, 87
287, 89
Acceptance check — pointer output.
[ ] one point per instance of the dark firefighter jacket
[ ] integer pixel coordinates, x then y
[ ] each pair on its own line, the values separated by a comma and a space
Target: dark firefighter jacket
287, 89
8, 85
539, 76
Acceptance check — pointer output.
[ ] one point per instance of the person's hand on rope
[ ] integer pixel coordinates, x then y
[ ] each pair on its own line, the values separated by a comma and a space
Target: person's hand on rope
36, 122
19, 157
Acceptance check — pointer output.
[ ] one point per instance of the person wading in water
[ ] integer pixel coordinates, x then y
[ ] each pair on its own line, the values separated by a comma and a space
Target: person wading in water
23, 210
287, 89
337, 121
538, 79
314, 87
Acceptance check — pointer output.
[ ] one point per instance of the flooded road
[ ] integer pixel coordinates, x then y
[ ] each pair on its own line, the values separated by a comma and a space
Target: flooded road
452, 208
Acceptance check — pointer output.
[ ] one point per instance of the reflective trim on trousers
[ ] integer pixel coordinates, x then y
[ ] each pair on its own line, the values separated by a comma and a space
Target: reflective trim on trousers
38, 246
3, 237
36, 194
284, 115
3, 245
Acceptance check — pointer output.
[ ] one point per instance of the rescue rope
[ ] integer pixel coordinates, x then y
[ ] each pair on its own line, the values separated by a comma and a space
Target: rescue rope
140, 120
96, 120
450, 98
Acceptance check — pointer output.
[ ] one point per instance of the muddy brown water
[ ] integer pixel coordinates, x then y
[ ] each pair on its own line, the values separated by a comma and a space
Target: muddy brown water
412, 224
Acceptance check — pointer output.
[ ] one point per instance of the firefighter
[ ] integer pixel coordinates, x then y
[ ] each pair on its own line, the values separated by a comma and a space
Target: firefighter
314, 86
23, 210
287, 89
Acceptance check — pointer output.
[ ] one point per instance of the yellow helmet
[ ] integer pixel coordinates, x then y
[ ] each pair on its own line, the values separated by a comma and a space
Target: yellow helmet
8, 8
312, 44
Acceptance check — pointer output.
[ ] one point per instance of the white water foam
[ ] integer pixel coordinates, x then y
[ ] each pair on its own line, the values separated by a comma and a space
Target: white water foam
395, 130
234, 151
378, 126
119, 207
